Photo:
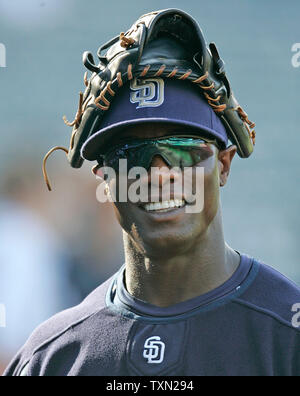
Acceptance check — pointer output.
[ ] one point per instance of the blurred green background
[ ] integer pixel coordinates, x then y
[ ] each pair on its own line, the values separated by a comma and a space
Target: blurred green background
44, 42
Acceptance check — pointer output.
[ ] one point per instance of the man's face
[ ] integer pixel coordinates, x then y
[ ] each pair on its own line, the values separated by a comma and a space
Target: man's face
172, 230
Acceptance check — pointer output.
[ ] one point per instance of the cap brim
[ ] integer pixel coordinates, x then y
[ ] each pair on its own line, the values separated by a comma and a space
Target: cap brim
95, 145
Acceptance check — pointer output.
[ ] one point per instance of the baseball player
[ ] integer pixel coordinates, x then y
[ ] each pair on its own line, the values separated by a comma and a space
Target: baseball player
184, 303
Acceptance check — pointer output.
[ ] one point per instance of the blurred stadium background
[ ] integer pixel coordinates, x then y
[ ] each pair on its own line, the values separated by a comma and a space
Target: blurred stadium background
57, 247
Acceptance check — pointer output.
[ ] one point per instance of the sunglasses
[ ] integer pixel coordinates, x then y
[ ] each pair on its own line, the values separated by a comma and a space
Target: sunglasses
179, 151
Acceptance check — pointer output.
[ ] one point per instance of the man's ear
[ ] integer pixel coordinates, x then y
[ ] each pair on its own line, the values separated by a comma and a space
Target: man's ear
225, 157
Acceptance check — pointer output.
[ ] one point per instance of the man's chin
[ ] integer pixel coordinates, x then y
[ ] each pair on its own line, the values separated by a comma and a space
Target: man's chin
164, 243
163, 234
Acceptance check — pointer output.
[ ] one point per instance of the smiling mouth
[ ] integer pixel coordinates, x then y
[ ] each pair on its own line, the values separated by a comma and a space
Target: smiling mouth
164, 206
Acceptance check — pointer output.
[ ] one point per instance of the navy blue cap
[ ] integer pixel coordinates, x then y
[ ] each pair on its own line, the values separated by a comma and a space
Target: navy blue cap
156, 100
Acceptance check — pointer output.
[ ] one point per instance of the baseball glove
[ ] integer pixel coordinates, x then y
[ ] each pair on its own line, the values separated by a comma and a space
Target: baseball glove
169, 44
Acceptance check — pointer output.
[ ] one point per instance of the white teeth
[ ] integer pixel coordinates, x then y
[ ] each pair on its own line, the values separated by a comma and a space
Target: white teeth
164, 205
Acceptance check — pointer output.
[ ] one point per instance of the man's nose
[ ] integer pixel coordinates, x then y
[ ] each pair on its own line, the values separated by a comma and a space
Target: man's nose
158, 162
160, 172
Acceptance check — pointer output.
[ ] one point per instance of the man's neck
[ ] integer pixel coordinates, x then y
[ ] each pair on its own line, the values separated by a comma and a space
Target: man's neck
170, 280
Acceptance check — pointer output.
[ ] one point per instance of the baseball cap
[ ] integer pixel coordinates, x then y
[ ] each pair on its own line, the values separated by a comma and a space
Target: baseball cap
156, 100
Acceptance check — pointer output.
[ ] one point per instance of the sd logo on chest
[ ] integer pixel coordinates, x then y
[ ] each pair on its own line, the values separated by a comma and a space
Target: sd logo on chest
156, 349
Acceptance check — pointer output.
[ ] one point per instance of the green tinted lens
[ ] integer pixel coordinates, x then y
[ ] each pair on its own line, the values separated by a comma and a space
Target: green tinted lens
176, 151
185, 152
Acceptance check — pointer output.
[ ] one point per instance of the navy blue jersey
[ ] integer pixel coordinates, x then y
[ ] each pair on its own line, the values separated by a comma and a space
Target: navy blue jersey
247, 326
